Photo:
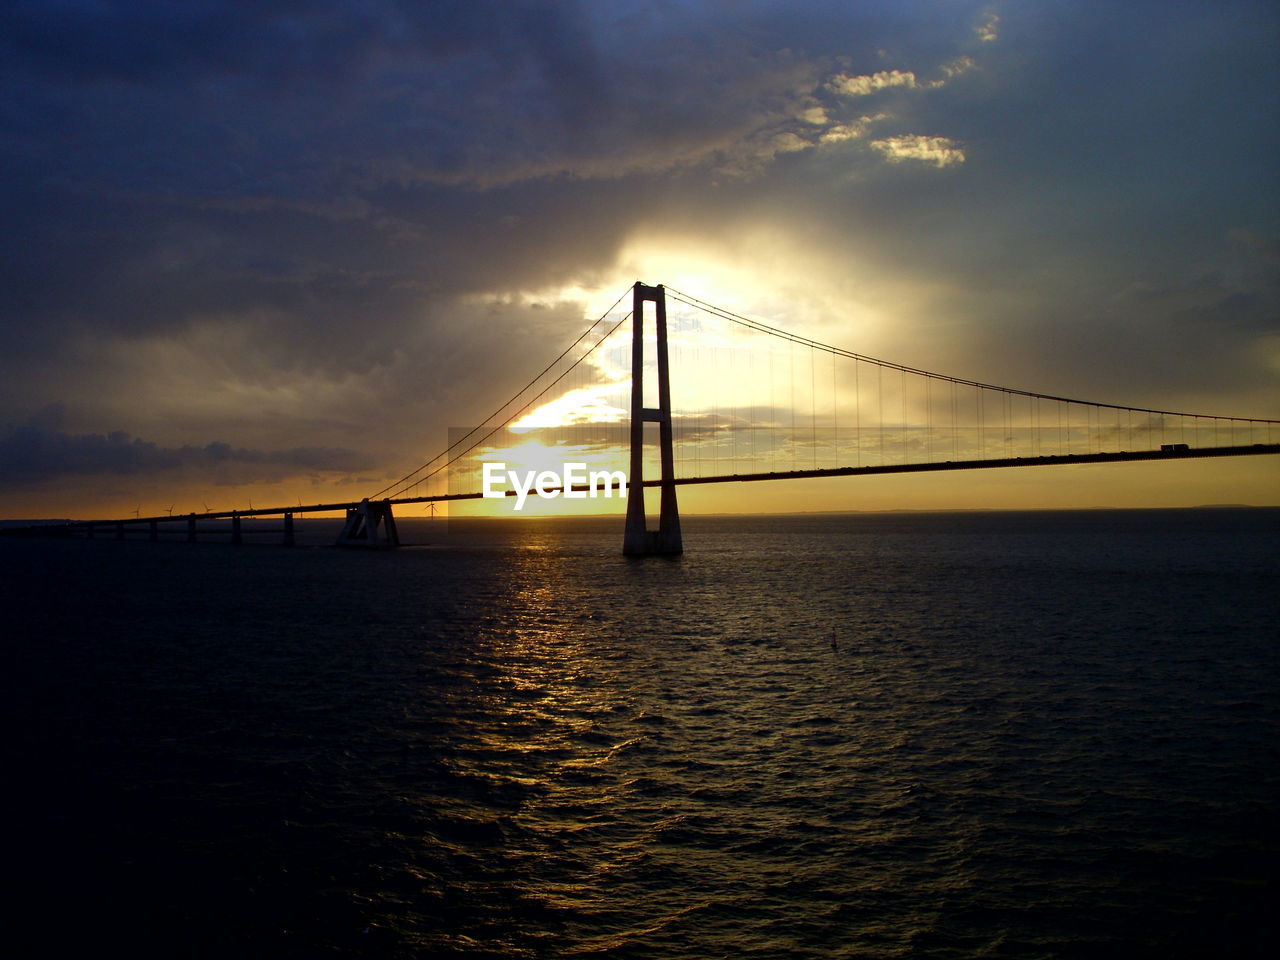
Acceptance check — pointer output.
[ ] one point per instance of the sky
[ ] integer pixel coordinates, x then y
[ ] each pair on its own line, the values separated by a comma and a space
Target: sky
273, 252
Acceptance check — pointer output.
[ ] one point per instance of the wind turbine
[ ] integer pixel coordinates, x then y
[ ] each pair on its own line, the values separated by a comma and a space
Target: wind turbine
171, 509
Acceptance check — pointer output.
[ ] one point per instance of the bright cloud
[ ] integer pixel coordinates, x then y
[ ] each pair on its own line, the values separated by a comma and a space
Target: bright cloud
986, 30
861, 86
851, 131
593, 404
955, 68
938, 151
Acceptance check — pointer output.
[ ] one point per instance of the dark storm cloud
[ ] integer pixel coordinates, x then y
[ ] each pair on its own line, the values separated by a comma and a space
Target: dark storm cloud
290, 99
338, 178
38, 450
338, 219
177, 159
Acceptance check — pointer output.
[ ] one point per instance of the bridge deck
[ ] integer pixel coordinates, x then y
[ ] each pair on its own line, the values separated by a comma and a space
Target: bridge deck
1042, 461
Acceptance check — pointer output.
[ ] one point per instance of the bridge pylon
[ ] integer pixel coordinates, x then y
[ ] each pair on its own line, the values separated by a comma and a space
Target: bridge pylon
639, 540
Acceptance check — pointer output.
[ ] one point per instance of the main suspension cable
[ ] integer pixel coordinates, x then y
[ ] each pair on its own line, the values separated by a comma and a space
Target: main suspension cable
760, 327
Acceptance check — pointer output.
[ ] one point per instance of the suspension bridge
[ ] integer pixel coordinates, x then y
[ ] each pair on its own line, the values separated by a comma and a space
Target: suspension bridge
751, 402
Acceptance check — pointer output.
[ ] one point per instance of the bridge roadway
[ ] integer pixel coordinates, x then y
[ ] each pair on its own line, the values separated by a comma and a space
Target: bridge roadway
1041, 461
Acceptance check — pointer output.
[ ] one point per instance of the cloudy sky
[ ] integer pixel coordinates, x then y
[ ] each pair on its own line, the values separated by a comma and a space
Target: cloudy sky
275, 250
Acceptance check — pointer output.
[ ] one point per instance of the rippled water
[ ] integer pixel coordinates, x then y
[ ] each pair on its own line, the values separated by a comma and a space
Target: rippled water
998, 735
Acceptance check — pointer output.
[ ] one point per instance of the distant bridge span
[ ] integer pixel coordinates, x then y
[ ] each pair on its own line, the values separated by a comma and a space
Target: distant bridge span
1041, 461
120, 528
370, 522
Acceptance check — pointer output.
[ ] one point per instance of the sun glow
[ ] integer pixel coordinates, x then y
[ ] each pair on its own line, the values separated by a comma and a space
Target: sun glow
580, 405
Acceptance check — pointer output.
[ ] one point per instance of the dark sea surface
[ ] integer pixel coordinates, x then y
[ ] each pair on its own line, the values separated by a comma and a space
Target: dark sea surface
1035, 735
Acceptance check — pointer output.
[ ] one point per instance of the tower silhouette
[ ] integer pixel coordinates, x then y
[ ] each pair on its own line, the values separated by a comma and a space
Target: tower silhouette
639, 540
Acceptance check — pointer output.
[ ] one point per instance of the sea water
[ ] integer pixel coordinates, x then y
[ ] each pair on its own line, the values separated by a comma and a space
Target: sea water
864, 735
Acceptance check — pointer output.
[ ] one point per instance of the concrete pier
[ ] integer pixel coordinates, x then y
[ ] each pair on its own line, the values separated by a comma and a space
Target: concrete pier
371, 525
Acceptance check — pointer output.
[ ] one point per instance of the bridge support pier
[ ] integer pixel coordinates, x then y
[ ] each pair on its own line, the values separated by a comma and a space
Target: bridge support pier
288, 530
370, 525
191, 528
639, 540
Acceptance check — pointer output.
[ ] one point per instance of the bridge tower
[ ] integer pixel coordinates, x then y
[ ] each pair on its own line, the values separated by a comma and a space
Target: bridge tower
639, 540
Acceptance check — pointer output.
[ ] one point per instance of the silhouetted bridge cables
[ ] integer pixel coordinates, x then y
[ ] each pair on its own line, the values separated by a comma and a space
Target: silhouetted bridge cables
561, 378
850, 414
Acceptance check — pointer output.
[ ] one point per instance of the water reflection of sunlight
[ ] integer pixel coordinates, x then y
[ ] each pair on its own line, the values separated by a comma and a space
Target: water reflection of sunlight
565, 683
